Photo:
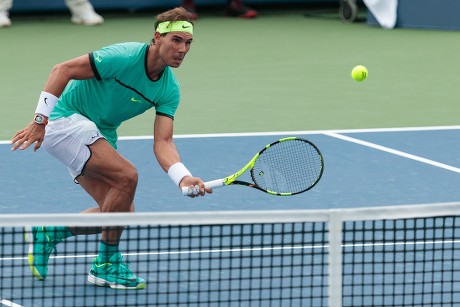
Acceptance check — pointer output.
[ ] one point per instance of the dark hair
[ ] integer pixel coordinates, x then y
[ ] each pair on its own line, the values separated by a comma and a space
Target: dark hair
176, 14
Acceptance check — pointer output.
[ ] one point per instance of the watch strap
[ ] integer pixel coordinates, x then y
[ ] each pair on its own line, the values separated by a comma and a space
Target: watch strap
41, 119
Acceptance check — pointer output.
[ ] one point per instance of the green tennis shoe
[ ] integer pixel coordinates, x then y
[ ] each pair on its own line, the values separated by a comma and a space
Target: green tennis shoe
114, 273
41, 244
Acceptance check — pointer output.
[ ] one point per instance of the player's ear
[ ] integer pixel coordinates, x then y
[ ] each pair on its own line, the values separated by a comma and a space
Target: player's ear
157, 37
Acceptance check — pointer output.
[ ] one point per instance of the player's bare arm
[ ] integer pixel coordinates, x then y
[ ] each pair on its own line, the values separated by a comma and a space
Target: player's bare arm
168, 157
34, 133
78, 68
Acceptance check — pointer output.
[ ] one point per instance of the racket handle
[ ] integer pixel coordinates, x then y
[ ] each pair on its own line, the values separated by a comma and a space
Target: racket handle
187, 191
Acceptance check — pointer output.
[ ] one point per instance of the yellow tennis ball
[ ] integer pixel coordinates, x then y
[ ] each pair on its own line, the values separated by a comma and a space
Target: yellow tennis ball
359, 73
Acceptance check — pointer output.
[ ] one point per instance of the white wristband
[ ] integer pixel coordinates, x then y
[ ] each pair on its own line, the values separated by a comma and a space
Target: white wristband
46, 104
177, 172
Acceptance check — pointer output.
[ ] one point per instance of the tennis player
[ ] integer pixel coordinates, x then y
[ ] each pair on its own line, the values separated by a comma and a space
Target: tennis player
83, 103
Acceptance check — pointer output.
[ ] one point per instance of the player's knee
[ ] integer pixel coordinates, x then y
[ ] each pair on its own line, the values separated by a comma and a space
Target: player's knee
128, 179
131, 178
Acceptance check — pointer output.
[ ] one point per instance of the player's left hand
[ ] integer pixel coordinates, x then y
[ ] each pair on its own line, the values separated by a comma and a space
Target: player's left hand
196, 184
33, 133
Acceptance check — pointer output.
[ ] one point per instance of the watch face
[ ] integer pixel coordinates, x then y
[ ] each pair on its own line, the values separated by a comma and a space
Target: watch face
39, 119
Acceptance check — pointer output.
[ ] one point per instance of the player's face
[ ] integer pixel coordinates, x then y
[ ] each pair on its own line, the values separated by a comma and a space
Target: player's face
174, 46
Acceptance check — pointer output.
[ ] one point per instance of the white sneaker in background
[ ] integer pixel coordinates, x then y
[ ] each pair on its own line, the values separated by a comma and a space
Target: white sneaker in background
4, 19
83, 13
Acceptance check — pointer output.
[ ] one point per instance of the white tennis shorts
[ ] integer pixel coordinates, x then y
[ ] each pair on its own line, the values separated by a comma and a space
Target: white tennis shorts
68, 138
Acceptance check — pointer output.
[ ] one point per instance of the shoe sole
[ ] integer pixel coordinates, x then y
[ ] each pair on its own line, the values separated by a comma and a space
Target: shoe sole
29, 237
104, 283
80, 21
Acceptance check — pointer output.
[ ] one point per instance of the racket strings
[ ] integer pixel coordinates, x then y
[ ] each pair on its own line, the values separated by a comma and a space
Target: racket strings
290, 166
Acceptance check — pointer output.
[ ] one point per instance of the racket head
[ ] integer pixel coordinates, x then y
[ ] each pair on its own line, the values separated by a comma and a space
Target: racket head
287, 167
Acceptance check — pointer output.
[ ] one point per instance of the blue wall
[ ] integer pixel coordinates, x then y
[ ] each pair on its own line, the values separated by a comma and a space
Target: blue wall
58, 5
426, 14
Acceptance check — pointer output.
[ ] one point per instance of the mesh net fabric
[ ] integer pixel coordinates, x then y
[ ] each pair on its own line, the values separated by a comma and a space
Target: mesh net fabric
387, 256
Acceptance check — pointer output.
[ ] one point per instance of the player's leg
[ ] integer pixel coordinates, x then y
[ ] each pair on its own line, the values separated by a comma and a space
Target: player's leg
67, 139
111, 180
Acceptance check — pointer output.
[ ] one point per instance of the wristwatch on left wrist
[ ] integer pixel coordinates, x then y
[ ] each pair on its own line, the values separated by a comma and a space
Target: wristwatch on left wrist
40, 119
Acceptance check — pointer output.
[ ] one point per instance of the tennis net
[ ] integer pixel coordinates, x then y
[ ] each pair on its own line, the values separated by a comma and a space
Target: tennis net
388, 256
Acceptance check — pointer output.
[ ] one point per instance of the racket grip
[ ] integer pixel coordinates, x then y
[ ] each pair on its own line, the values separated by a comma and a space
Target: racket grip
187, 191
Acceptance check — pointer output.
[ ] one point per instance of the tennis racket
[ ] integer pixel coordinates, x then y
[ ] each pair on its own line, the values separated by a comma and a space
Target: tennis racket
286, 167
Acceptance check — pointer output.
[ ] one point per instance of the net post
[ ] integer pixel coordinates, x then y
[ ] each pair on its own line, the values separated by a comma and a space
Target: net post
335, 259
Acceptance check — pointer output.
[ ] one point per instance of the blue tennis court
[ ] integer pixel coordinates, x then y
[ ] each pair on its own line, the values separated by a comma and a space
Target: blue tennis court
363, 169
356, 174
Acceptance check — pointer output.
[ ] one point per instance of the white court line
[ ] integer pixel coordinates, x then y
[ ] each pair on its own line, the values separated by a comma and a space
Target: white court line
252, 249
9, 303
332, 133
209, 135
393, 151
312, 132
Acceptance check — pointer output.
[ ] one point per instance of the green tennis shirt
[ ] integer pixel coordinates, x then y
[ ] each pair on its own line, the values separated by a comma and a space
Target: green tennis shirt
120, 90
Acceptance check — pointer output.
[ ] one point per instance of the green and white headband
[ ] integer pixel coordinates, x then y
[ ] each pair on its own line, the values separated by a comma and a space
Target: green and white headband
175, 26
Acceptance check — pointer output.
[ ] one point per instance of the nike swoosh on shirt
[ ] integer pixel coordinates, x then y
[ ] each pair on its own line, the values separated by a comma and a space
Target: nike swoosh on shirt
135, 100
98, 58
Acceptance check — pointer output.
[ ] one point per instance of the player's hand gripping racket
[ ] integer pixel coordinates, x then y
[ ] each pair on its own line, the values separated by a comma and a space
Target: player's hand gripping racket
286, 167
